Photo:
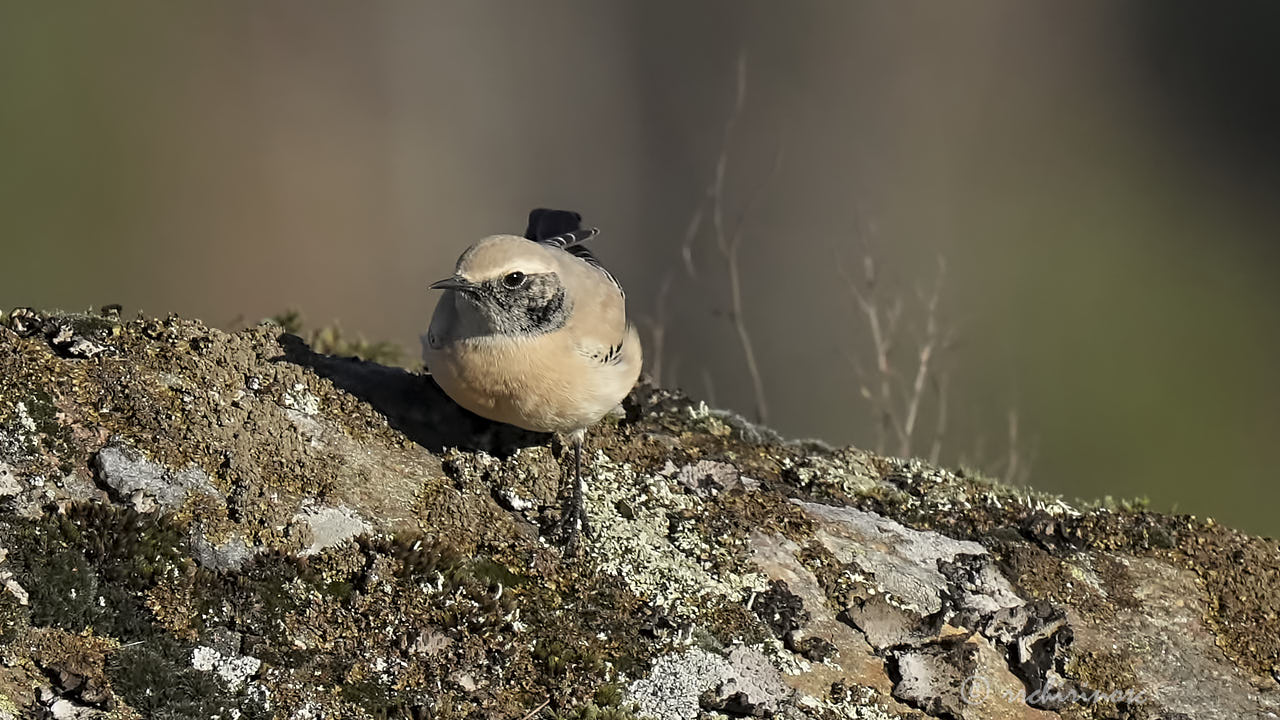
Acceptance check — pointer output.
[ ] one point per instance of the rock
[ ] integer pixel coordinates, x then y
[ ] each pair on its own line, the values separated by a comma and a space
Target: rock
329, 526
8, 483
707, 477
675, 683
231, 554
13, 588
147, 485
200, 524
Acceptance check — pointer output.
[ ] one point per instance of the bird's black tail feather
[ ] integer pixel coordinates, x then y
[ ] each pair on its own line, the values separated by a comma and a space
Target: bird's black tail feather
563, 229
560, 228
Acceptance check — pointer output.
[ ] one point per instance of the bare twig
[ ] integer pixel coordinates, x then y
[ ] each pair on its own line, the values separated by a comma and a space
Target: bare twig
658, 330
728, 240
714, 194
940, 387
897, 400
1017, 471
691, 234
709, 386
928, 344
536, 710
883, 325
730, 251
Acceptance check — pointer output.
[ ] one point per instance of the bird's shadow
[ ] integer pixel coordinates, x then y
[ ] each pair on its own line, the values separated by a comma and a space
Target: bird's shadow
412, 403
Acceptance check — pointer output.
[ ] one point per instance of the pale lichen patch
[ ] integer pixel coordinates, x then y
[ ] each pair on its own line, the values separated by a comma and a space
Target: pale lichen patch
234, 670
671, 566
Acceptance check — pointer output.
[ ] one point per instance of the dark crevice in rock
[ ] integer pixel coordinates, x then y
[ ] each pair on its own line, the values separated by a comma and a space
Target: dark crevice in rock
1034, 637
734, 705
780, 609
1036, 640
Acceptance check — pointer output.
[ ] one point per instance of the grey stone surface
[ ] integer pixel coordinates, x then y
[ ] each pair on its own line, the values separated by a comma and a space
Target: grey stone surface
904, 561
147, 485
230, 554
329, 525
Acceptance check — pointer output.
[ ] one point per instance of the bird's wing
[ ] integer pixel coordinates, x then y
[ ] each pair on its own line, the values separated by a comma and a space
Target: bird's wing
563, 229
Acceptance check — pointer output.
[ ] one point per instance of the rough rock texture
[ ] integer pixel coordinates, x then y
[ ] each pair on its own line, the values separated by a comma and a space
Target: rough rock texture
197, 524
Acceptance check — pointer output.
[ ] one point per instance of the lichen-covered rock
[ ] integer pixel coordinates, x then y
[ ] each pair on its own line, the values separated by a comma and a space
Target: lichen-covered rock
196, 524
146, 485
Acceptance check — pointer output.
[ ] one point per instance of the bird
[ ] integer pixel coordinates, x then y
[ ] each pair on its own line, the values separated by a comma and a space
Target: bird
532, 331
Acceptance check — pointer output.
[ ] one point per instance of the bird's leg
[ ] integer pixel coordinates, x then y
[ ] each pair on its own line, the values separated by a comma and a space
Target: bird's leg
575, 515
580, 488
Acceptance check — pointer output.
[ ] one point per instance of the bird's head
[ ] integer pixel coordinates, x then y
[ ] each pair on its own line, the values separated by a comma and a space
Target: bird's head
511, 284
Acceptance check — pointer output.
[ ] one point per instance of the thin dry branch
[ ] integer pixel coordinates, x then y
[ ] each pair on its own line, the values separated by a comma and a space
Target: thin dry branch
686, 250
714, 194
932, 340
898, 402
1017, 470
657, 323
728, 241
537, 710
730, 248
941, 384
882, 323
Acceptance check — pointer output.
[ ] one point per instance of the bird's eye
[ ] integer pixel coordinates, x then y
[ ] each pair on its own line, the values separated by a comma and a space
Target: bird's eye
514, 279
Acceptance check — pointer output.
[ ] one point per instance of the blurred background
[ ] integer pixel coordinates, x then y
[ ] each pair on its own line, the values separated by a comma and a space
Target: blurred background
1099, 177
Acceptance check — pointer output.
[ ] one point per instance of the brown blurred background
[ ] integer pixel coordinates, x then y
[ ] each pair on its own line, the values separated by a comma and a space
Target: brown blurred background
1100, 176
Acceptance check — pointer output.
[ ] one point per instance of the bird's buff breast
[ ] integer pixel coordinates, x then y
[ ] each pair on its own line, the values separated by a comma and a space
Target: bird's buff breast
512, 384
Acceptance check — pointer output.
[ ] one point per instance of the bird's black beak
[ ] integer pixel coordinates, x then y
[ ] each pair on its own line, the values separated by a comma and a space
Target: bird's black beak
457, 282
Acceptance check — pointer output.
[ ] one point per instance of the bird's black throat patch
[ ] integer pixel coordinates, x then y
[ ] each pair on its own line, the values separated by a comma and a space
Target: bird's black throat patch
538, 306
548, 315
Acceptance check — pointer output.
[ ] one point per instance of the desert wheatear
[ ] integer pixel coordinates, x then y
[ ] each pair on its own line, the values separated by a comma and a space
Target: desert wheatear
533, 331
